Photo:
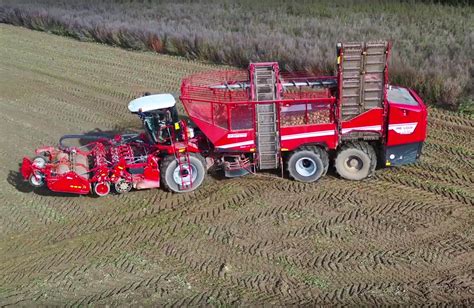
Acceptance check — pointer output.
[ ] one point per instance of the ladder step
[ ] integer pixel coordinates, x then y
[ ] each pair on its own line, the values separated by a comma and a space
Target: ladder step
268, 157
375, 53
353, 57
374, 71
268, 165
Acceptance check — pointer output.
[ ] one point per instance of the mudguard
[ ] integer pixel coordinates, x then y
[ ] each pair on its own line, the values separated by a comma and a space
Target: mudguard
25, 169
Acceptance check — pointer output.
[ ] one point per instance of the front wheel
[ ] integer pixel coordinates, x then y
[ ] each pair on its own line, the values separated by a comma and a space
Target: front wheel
102, 189
36, 179
39, 161
186, 178
356, 161
308, 164
123, 186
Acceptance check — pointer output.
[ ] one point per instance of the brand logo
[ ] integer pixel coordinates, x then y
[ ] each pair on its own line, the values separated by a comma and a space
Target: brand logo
403, 129
239, 135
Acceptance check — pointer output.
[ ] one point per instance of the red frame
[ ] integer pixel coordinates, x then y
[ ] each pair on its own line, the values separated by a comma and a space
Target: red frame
395, 124
105, 172
199, 88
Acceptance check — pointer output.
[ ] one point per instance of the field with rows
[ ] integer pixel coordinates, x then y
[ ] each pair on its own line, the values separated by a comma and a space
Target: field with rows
405, 236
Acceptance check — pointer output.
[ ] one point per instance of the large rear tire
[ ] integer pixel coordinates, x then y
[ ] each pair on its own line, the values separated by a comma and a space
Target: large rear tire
194, 173
356, 161
308, 164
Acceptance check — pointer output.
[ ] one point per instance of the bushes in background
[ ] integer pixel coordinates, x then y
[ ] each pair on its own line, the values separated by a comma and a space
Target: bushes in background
432, 41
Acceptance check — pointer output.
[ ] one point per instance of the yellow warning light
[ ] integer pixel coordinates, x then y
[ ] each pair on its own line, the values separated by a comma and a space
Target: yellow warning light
176, 125
338, 59
284, 149
252, 150
182, 150
388, 163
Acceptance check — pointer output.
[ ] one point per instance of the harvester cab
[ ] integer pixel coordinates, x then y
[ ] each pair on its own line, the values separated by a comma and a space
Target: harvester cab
159, 115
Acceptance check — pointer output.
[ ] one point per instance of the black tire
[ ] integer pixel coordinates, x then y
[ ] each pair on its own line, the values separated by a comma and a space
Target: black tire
308, 164
122, 186
356, 161
37, 181
169, 178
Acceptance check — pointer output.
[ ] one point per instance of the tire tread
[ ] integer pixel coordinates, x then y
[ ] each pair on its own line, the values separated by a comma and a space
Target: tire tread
367, 149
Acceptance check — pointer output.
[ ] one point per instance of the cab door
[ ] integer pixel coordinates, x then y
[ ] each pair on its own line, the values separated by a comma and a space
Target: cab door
406, 127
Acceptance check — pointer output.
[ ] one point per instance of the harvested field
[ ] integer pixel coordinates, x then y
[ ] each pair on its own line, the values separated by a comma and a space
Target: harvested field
405, 236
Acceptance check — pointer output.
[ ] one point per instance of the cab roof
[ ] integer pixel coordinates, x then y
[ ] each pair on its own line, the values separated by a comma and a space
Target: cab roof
151, 102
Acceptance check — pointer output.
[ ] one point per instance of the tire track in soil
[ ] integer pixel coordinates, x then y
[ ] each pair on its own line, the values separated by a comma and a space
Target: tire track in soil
47, 263
174, 228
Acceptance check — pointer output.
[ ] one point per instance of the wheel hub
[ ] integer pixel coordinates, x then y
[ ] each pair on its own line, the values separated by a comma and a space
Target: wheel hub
184, 175
306, 166
122, 186
102, 188
37, 179
354, 163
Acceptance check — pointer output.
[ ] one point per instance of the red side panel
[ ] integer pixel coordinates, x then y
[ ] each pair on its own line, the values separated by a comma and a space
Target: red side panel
370, 121
25, 168
294, 137
69, 183
213, 132
243, 141
407, 123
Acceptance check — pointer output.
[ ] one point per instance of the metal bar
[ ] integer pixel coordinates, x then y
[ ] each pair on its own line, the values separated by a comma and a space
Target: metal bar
287, 84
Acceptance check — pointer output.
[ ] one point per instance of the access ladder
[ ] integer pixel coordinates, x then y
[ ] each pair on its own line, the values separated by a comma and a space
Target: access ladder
264, 88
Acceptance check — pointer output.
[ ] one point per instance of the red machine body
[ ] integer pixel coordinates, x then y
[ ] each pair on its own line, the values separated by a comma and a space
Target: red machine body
123, 162
309, 110
248, 120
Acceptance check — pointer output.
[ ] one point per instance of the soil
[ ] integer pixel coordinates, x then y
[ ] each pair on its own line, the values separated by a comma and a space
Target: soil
405, 236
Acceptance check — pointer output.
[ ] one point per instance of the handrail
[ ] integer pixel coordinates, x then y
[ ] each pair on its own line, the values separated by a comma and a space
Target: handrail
323, 100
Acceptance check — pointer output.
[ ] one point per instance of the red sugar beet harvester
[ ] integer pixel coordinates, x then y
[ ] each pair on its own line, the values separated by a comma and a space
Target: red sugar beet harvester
249, 120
